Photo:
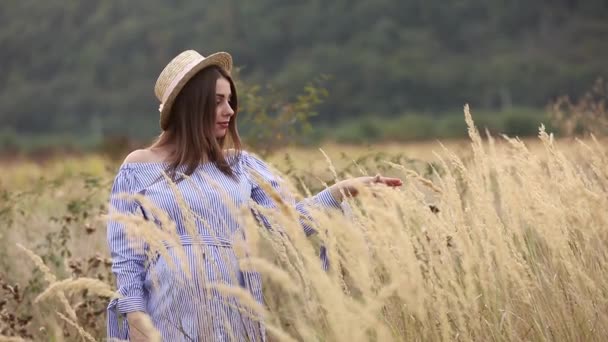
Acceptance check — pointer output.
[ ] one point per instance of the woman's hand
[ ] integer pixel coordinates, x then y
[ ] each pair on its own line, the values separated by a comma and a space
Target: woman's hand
138, 327
350, 187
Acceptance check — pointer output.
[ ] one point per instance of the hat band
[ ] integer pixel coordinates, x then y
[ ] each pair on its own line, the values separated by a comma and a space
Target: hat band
180, 76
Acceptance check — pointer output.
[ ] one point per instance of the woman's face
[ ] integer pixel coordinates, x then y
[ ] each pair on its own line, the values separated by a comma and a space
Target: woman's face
223, 111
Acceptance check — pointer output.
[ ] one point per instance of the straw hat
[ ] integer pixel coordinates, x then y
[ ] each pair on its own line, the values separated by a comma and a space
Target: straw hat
178, 72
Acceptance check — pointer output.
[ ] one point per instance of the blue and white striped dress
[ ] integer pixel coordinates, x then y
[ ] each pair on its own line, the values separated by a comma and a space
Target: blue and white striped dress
182, 308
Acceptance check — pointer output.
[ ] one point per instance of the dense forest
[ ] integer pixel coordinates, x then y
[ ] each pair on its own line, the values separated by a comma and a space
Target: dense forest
90, 66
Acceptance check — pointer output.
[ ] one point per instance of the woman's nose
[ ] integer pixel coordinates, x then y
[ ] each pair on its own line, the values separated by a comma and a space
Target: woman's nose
228, 111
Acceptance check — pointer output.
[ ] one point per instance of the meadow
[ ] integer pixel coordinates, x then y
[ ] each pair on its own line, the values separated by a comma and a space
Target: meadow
489, 239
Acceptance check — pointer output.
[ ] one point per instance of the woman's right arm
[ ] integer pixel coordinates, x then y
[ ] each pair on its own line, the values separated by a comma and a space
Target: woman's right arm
128, 256
127, 252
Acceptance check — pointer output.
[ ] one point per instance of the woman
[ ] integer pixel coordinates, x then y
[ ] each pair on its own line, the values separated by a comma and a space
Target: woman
190, 164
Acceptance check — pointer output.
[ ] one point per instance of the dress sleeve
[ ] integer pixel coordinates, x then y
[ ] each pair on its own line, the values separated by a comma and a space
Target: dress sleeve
128, 256
323, 199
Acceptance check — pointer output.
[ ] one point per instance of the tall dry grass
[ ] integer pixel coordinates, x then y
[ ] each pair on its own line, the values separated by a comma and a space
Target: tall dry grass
517, 251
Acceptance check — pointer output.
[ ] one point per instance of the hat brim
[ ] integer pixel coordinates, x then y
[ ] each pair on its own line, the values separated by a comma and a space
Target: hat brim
221, 59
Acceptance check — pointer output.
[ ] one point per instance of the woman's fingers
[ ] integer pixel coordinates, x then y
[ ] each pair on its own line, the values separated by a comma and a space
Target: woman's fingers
350, 186
393, 182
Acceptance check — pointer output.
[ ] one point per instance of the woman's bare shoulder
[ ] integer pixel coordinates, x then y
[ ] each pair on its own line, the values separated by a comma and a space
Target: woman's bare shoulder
143, 156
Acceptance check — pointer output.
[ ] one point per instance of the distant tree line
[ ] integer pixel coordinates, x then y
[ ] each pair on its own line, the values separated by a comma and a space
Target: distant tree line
89, 67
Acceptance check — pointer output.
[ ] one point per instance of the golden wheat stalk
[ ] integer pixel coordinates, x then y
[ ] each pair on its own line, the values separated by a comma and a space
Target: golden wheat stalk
11, 339
48, 275
428, 183
279, 333
271, 271
69, 286
50, 278
167, 224
186, 212
143, 230
78, 328
241, 294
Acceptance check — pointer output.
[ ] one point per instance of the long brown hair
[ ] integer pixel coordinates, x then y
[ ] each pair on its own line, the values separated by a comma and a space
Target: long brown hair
192, 123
